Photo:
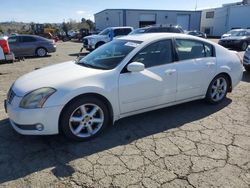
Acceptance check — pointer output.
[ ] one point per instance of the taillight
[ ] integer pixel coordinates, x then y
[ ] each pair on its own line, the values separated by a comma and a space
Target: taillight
5, 46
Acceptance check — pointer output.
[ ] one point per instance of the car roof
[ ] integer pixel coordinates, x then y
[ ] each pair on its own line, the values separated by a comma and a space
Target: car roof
154, 36
125, 27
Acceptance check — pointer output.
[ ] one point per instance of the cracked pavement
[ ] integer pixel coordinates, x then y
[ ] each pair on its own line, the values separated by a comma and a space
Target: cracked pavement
189, 145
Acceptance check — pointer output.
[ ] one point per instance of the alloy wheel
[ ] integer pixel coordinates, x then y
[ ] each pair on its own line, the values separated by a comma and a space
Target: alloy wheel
41, 52
219, 89
86, 120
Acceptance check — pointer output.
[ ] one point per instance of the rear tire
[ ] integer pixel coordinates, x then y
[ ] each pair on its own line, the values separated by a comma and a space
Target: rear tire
218, 89
244, 45
84, 118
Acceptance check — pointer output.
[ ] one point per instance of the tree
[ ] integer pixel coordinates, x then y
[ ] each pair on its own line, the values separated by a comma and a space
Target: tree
1, 30
66, 27
91, 24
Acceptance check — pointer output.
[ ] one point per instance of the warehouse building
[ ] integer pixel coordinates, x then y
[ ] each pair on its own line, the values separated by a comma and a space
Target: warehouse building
188, 20
218, 21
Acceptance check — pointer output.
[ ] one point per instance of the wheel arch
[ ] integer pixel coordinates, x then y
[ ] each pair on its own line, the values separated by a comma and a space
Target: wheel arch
99, 96
98, 43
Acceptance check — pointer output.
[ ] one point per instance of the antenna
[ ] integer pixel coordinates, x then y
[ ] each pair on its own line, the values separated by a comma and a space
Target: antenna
196, 3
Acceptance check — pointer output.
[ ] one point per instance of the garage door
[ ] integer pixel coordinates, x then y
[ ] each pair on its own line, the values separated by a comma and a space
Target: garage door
147, 17
184, 21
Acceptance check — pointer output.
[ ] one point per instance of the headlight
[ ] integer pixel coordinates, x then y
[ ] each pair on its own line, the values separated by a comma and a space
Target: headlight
36, 98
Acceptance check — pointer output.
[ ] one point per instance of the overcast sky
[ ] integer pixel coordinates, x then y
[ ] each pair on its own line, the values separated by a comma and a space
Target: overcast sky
57, 11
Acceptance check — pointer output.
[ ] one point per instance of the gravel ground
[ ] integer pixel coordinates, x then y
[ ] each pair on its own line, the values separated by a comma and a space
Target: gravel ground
189, 145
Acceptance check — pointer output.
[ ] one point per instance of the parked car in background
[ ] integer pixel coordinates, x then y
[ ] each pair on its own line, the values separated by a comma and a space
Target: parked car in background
130, 75
197, 34
158, 29
31, 45
246, 59
94, 41
236, 39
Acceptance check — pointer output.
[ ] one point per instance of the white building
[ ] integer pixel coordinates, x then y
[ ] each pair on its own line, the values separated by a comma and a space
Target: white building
188, 20
218, 21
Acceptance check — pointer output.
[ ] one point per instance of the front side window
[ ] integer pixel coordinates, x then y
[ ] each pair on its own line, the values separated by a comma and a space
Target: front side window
158, 53
190, 49
118, 32
109, 55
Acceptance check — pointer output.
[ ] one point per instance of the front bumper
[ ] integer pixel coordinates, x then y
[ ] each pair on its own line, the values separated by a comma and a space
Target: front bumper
230, 43
52, 49
89, 47
42, 121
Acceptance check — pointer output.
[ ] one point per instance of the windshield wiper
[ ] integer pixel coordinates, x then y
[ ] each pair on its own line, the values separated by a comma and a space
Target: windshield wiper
85, 64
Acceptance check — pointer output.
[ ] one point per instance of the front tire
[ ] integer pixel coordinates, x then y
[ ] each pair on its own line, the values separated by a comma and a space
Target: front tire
217, 90
41, 52
84, 118
247, 68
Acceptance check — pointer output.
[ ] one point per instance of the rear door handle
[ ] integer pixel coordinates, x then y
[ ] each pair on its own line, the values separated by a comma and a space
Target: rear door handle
170, 71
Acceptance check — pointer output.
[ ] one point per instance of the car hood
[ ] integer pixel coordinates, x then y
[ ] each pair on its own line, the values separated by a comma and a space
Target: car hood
62, 75
225, 35
233, 38
95, 37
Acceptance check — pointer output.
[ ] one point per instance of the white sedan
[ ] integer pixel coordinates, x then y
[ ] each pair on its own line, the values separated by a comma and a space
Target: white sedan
127, 76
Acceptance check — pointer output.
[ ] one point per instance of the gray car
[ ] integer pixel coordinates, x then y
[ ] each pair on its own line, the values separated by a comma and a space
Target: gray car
237, 39
31, 45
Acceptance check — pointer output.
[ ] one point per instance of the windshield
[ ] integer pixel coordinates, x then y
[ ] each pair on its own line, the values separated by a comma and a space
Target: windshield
105, 32
137, 31
109, 55
237, 33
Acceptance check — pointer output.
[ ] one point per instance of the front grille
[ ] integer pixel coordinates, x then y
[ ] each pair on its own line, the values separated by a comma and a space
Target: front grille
11, 95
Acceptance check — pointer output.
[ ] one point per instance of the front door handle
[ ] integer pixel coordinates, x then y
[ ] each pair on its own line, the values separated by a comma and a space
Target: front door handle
170, 71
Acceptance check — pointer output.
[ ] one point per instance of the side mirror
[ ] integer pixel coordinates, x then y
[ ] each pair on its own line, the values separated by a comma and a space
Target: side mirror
135, 67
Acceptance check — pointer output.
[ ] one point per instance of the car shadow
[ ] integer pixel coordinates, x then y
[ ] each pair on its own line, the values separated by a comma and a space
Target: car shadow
246, 76
23, 155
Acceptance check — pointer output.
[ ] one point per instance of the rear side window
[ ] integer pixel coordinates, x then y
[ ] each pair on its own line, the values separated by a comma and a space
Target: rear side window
175, 30
121, 32
12, 40
158, 53
28, 39
190, 49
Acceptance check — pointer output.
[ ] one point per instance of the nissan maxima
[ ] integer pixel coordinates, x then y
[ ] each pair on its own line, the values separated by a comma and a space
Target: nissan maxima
127, 76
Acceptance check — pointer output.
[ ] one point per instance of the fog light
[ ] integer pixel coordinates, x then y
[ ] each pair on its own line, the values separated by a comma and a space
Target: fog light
39, 127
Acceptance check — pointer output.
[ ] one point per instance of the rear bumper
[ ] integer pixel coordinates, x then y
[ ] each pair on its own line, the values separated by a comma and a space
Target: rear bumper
8, 57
